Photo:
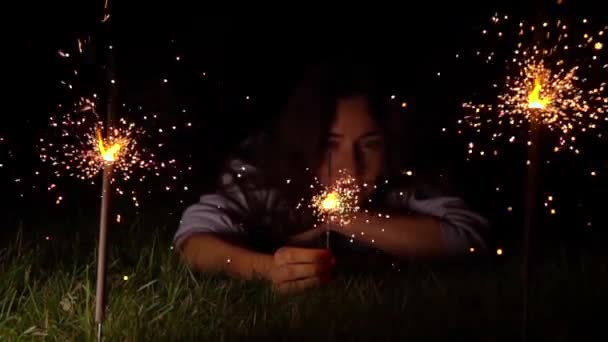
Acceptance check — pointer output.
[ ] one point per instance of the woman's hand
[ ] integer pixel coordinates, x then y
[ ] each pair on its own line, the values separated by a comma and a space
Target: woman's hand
309, 237
295, 269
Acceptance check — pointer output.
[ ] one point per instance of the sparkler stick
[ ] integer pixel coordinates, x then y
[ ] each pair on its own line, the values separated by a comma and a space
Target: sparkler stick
327, 228
82, 144
529, 217
535, 104
101, 249
554, 88
108, 156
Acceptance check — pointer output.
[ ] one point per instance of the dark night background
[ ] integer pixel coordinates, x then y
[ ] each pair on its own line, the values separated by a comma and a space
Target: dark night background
261, 55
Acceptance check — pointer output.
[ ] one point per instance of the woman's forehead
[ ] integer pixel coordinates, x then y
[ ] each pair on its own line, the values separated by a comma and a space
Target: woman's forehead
354, 118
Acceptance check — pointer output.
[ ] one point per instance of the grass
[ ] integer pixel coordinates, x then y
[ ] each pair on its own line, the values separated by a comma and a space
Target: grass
47, 291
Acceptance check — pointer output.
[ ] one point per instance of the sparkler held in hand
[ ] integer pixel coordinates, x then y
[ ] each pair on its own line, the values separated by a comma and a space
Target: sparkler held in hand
338, 203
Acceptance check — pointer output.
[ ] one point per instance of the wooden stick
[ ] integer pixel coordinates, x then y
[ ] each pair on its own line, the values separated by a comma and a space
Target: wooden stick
329, 180
101, 248
529, 216
106, 191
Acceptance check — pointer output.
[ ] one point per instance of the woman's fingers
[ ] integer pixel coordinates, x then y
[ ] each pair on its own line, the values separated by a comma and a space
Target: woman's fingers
304, 238
293, 255
296, 269
291, 272
299, 285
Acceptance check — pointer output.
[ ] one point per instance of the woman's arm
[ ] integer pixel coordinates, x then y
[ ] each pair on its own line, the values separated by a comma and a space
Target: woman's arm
290, 269
438, 226
210, 253
402, 236
212, 238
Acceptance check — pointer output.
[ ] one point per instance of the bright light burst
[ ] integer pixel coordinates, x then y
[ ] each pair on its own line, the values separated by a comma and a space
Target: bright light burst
79, 144
110, 151
555, 77
338, 203
80, 150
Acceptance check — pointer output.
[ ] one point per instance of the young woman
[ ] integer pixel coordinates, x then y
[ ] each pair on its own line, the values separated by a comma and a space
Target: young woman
337, 119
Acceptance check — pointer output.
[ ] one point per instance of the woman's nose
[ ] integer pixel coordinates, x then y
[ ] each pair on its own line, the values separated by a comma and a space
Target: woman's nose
348, 162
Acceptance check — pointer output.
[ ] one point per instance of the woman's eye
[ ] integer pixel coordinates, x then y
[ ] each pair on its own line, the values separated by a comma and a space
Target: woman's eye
373, 144
333, 145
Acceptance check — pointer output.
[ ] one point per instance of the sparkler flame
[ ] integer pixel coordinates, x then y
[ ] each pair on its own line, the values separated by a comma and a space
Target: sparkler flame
111, 153
75, 146
534, 100
338, 203
330, 202
79, 149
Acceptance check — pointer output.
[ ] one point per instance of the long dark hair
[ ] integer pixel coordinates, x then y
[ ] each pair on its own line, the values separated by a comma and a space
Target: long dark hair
296, 140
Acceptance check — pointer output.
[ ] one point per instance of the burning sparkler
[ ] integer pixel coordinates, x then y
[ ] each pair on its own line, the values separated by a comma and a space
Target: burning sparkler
78, 149
554, 82
81, 145
534, 100
338, 203
110, 154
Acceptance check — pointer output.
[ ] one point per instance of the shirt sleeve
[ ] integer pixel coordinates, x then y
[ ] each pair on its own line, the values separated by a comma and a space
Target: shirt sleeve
461, 227
209, 215
225, 211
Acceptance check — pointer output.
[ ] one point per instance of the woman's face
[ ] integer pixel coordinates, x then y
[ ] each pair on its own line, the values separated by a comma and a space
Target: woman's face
355, 144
